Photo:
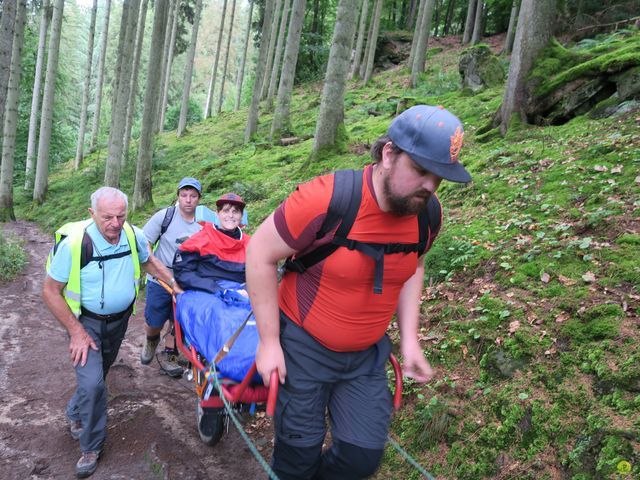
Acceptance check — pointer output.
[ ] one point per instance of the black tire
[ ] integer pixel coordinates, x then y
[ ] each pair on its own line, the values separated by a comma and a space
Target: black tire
211, 424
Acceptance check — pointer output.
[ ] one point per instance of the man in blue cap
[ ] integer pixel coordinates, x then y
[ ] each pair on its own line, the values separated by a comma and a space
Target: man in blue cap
165, 231
325, 334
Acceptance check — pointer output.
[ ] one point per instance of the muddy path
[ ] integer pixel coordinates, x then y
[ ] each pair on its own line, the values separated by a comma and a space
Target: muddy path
152, 430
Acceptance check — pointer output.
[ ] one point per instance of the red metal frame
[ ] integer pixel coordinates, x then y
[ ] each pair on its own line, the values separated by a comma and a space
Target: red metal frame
244, 391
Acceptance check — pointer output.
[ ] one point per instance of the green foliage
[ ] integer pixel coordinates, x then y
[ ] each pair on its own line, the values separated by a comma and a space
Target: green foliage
194, 115
13, 258
533, 277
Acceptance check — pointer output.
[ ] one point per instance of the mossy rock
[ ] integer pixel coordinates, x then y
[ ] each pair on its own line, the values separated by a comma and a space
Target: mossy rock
501, 364
479, 68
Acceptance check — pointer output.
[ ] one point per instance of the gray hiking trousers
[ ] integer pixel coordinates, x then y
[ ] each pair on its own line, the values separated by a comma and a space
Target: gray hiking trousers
89, 402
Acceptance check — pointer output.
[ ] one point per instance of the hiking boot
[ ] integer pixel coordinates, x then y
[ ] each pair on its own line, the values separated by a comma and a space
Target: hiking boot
169, 364
75, 428
87, 464
149, 350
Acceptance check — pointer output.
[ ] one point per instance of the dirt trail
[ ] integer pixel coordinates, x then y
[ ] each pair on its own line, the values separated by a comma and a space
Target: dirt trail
152, 431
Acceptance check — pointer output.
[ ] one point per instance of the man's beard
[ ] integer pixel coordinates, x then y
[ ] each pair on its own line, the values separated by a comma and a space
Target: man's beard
404, 205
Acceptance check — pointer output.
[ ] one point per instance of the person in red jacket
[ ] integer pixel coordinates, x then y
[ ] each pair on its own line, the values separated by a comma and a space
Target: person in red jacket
215, 253
324, 330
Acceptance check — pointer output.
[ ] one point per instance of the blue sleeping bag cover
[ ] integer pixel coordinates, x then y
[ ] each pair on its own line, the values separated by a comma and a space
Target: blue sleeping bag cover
208, 320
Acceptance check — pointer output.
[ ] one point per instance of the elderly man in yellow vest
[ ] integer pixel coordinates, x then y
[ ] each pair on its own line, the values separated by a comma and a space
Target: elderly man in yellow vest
91, 285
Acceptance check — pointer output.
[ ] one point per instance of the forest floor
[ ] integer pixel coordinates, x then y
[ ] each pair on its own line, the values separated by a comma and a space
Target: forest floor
152, 431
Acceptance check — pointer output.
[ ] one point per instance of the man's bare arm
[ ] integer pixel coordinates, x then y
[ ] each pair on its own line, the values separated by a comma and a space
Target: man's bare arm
265, 249
80, 340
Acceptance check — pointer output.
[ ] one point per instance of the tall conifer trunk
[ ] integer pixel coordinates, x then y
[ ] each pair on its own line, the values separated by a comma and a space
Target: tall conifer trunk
133, 89
188, 70
534, 30
375, 29
252, 117
143, 186
168, 62
223, 78
214, 68
35, 97
85, 89
331, 116
240, 75
95, 129
11, 117
46, 119
281, 117
119, 113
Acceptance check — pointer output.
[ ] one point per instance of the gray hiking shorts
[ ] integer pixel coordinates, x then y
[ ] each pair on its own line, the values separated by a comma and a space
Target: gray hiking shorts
351, 386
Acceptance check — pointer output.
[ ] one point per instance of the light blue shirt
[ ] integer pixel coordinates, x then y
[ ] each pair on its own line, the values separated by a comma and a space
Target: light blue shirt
109, 289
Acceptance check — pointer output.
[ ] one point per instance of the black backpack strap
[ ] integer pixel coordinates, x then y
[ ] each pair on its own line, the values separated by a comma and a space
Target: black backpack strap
343, 208
86, 251
166, 221
429, 221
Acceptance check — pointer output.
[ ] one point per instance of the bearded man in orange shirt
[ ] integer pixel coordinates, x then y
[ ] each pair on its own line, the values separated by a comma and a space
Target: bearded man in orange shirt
324, 328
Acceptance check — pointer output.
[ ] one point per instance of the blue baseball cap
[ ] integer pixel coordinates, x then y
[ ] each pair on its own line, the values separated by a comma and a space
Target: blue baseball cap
190, 182
432, 137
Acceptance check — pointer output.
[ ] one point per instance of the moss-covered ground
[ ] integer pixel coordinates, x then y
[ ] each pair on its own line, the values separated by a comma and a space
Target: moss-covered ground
530, 311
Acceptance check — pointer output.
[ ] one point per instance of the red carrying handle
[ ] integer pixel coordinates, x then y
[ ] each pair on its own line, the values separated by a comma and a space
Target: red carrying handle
272, 396
397, 396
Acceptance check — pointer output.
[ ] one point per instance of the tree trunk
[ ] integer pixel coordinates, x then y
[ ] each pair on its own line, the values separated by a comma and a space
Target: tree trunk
188, 70
468, 24
7, 24
133, 89
142, 186
252, 117
416, 34
281, 117
214, 68
511, 31
534, 30
173, 4
226, 58
35, 97
360, 41
11, 116
375, 23
46, 119
240, 76
95, 130
449, 18
421, 49
119, 113
411, 15
272, 47
85, 89
168, 62
331, 116
126, 7
438, 8
363, 63
275, 70
477, 25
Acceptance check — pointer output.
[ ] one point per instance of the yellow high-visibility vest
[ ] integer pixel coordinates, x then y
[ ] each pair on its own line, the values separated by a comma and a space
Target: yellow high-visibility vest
75, 231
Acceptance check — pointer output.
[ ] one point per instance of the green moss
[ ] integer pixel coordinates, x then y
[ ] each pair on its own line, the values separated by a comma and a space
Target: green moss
614, 61
597, 323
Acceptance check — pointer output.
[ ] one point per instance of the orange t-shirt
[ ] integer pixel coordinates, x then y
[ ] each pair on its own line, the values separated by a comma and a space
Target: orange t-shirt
334, 300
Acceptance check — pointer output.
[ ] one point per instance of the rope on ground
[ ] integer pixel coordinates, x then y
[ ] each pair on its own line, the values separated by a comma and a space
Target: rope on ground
213, 378
410, 459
